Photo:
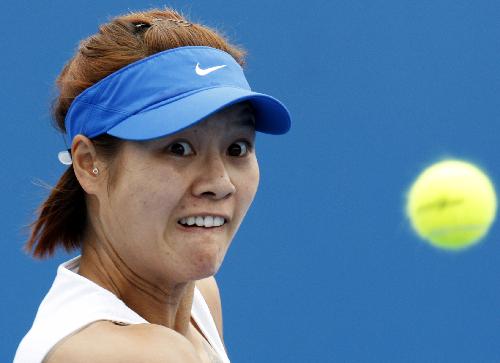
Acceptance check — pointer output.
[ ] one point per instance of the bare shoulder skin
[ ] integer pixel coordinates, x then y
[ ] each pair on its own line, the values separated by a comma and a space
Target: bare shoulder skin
106, 342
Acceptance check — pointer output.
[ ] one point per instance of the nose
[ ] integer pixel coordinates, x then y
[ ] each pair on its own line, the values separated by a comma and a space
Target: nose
213, 179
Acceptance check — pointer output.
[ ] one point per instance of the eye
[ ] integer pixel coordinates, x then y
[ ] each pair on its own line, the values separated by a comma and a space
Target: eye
180, 148
239, 148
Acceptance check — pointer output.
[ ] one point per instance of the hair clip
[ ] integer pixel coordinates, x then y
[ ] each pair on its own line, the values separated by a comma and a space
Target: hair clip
141, 26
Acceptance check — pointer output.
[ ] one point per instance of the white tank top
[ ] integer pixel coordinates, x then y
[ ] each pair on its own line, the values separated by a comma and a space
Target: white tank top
74, 302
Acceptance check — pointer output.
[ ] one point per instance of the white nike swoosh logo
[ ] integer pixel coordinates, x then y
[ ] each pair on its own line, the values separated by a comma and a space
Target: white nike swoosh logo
204, 72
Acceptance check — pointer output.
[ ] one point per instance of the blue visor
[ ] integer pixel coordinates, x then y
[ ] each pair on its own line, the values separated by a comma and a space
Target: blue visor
167, 92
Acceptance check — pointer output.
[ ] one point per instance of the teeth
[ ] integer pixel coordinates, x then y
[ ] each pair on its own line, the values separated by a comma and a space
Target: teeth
218, 221
207, 221
199, 221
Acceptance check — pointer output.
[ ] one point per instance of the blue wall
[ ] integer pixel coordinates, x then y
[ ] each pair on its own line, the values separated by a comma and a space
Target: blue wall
325, 267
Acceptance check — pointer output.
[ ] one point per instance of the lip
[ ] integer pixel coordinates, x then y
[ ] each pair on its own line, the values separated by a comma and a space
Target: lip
197, 229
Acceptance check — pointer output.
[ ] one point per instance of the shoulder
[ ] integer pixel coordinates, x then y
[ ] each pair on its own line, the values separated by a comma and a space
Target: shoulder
104, 341
210, 291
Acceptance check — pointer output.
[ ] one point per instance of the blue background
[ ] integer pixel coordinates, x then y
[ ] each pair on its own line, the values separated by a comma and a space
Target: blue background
325, 267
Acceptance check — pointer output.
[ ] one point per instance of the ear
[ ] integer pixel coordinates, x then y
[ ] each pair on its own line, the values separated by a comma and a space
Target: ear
84, 158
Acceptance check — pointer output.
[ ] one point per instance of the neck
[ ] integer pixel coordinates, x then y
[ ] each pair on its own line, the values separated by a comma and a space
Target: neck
168, 305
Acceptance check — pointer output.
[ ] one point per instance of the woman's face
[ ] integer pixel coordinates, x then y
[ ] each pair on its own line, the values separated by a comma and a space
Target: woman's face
207, 174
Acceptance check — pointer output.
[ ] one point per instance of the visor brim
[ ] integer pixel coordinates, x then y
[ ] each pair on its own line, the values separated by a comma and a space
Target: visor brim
271, 115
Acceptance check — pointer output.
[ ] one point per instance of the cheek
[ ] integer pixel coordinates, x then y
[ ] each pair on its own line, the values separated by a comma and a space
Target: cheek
248, 184
253, 179
143, 203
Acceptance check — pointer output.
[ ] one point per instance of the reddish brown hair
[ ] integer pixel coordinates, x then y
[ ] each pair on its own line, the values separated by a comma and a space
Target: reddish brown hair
125, 39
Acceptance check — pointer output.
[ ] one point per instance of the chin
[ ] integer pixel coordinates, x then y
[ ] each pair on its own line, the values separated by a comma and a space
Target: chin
206, 264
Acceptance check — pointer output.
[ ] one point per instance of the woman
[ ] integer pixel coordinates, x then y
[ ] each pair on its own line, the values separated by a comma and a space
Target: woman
161, 123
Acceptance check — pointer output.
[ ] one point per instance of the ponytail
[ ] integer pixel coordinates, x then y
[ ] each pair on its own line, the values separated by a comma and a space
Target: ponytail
61, 218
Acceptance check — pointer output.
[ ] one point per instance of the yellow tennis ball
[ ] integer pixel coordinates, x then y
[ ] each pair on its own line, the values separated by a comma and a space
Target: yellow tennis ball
452, 204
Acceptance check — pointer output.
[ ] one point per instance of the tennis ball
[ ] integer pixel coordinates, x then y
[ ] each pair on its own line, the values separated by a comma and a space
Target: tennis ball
452, 204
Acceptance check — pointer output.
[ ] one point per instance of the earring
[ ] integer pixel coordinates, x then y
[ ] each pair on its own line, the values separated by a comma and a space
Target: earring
95, 171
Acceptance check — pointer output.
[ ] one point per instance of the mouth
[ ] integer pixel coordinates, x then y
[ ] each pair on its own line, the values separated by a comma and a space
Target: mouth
202, 222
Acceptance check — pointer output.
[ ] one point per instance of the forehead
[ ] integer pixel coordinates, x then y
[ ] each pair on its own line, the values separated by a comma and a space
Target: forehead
237, 112
240, 115
235, 118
